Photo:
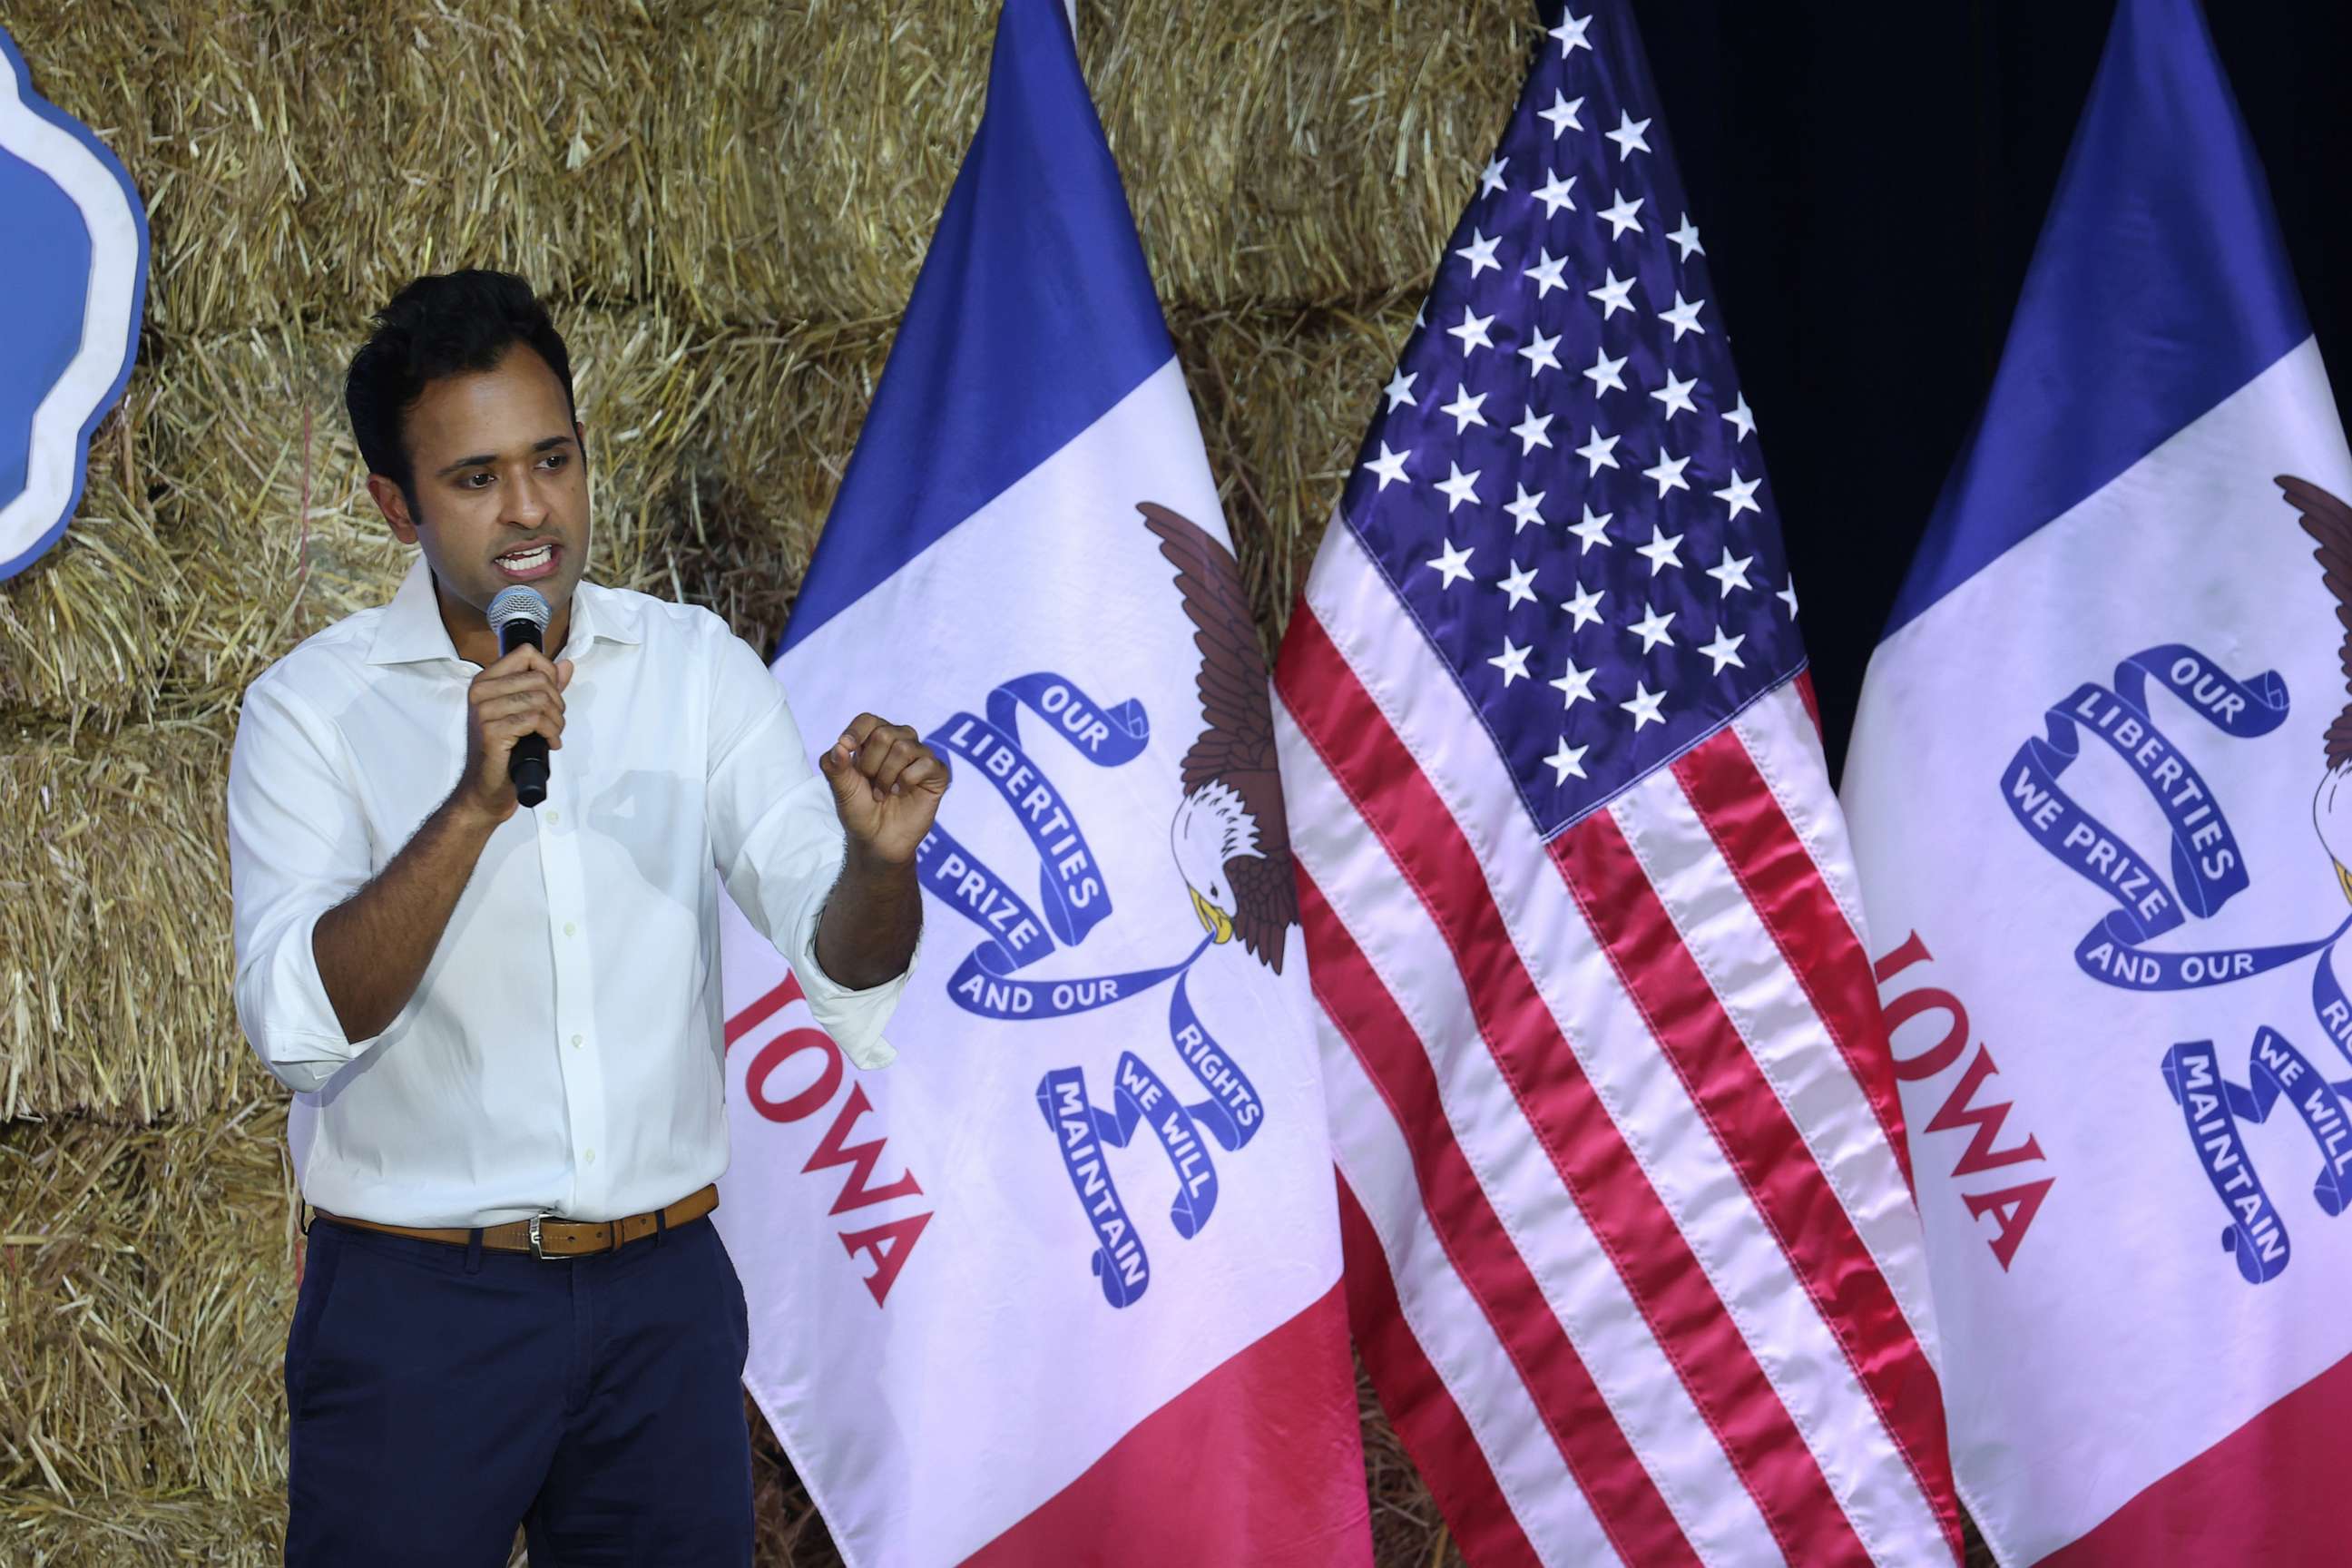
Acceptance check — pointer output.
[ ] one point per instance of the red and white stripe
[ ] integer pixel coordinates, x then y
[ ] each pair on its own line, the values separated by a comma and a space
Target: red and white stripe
1614, 1121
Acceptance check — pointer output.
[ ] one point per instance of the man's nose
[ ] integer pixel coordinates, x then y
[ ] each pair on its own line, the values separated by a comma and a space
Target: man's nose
525, 499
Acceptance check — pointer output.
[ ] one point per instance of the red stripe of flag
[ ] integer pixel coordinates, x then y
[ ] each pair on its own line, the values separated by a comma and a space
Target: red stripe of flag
1786, 889
1420, 1409
2218, 1507
1271, 1468
1804, 681
1620, 1206
1362, 1008
1762, 1143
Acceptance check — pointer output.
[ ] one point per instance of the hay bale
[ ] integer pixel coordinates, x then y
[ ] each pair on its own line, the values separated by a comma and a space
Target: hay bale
759, 429
37, 1530
145, 1285
737, 164
78, 630
258, 494
114, 941
1298, 153
1284, 396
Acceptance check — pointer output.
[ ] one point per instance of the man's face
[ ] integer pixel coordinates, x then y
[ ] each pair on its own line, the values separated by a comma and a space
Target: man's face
501, 488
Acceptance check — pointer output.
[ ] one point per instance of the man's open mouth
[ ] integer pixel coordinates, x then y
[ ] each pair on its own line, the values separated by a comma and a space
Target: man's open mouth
529, 561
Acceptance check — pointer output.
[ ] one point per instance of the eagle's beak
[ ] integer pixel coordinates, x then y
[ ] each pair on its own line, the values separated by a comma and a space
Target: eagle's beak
2343, 881
1214, 919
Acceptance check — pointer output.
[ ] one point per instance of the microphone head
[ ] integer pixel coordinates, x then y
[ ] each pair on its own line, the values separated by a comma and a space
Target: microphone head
519, 602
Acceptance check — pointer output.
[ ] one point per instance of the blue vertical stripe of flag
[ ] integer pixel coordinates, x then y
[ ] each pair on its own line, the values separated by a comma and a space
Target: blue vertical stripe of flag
2159, 288
1033, 315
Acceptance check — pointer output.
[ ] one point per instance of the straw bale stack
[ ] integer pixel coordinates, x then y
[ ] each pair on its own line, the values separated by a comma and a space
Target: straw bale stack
726, 202
40, 1531
737, 162
115, 962
143, 1300
1283, 395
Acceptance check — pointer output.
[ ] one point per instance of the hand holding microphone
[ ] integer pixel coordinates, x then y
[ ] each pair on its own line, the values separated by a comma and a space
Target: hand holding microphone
514, 712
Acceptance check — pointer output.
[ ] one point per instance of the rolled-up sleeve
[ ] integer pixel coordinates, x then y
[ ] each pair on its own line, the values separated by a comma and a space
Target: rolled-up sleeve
779, 845
297, 849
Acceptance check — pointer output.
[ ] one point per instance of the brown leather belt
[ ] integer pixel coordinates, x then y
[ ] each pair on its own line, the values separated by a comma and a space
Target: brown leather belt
547, 1236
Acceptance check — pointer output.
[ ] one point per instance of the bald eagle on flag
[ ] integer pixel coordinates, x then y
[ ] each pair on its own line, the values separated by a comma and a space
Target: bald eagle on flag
2329, 522
1230, 836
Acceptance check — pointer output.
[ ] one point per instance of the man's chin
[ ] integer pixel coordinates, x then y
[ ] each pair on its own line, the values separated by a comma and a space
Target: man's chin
479, 594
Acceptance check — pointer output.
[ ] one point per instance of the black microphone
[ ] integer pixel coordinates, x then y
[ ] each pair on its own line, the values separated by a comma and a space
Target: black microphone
521, 613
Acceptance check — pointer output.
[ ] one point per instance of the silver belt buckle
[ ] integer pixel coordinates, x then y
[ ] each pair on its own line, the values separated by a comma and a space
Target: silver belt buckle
535, 1249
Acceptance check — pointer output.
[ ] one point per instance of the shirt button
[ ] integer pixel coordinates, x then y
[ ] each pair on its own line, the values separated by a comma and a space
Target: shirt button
591, 1156
576, 1040
570, 930
554, 816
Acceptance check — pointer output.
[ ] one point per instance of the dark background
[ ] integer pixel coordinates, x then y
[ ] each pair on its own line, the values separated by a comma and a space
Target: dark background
1871, 179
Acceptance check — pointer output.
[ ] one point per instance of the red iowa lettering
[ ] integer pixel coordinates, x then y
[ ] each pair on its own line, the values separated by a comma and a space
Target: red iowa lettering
2012, 1207
888, 1244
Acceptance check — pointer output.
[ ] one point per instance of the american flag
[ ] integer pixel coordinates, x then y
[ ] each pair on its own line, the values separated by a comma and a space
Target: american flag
1632, 1253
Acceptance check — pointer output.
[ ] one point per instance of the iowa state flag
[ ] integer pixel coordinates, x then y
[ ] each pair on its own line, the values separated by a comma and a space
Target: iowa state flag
1061, 1285
2099, 796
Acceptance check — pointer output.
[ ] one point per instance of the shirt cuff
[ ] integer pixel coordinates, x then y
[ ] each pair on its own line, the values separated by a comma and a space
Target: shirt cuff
854, 1018
290, 1020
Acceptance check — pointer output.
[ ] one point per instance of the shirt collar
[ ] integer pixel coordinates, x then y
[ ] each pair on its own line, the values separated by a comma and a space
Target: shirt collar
601, 615
411, 630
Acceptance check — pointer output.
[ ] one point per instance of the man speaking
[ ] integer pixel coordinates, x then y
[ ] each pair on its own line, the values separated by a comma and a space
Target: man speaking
503, 1023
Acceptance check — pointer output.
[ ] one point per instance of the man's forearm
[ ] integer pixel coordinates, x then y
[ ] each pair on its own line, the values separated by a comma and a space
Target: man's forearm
871, 921
373, 947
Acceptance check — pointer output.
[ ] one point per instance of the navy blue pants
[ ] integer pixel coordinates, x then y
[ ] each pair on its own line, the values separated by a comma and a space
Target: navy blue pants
441, 1395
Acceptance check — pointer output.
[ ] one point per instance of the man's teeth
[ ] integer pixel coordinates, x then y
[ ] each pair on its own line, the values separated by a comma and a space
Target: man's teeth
528, 559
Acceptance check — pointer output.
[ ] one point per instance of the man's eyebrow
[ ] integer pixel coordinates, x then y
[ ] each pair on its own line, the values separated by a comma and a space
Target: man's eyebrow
484, 460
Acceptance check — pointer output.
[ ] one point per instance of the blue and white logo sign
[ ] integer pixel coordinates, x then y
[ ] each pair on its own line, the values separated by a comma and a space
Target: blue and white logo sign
2134, 947
1232, 843
73, 279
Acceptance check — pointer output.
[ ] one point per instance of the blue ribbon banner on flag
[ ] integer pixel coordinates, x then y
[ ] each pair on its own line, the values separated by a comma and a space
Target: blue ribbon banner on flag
2257, 1236
2208, 870
1072, 899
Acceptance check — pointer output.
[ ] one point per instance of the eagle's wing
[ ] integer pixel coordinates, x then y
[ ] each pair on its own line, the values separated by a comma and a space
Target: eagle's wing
2329, 521
1265, 898
1238, 745
1239, 736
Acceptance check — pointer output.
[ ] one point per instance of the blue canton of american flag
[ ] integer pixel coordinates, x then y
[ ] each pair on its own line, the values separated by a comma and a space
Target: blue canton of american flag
1564, 482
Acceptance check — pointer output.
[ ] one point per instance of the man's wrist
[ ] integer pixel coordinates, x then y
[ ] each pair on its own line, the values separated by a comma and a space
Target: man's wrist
865, 860
462, 816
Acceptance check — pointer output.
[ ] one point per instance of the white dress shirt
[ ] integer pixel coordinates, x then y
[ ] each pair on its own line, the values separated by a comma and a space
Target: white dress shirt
563, 1052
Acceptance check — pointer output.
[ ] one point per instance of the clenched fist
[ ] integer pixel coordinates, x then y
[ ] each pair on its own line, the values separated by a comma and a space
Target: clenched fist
886, 786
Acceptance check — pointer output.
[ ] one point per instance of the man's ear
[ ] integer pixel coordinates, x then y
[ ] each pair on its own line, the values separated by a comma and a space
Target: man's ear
394, 507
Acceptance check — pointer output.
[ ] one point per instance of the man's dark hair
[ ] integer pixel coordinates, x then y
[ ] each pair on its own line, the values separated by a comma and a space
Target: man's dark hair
443, 324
